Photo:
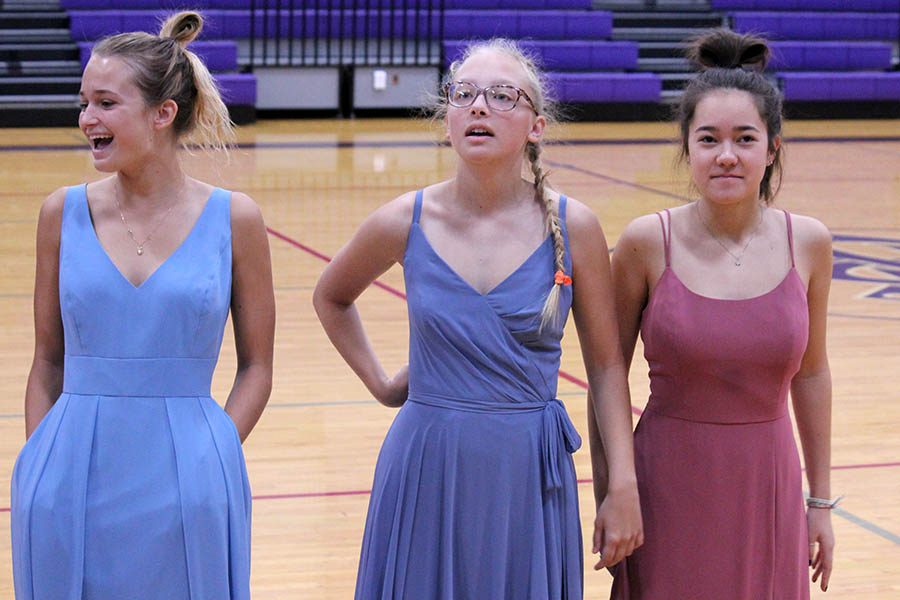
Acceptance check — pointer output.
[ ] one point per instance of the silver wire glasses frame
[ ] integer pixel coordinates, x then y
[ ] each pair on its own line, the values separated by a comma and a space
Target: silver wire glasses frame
502, 97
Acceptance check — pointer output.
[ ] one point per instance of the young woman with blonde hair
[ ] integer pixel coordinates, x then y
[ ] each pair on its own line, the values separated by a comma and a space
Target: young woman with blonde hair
132, 482
475, 494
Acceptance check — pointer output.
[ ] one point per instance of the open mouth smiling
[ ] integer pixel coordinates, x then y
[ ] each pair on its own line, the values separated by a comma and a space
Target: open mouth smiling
98, 142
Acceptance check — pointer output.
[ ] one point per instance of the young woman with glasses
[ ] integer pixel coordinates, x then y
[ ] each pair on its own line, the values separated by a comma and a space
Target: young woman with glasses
475, 494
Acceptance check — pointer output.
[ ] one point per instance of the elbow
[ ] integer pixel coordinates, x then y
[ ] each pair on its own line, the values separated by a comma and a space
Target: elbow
260, 374
326, 304
320, 300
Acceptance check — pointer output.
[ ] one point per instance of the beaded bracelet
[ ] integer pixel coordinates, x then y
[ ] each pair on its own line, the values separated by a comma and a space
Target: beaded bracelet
812, 502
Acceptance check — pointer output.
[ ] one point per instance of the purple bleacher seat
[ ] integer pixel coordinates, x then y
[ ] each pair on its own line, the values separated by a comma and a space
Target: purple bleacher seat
218, 55
231, 24
824, 86
820, 56
595, 24
567, 55
518, 4
172, 5
819, 25
238, 89
234, 24
844, 5
606, 87
169, 5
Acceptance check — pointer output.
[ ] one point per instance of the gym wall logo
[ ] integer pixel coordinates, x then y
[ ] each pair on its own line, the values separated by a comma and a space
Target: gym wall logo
869, 259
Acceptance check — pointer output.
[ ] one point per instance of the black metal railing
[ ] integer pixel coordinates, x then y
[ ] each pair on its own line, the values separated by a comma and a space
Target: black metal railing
345, 32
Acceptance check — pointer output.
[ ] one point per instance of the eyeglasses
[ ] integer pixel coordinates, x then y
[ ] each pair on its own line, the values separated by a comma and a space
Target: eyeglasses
462, 94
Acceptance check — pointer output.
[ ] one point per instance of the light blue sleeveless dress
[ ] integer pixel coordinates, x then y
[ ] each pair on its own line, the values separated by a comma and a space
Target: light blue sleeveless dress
134, 485
475, 495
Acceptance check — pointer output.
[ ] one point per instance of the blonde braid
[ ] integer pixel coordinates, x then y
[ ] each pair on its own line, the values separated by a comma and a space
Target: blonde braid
550, 312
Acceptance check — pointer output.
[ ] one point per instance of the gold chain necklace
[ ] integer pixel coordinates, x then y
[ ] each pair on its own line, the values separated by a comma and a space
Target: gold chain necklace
139, 245
738, 258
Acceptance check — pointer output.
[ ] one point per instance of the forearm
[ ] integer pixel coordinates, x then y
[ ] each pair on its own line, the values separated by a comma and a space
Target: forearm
249, 396
599, 468
344, 328
44, 386
811, 396
612, 411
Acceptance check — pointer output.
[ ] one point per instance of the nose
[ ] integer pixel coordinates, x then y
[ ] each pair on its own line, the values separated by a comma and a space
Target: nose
727, 156
87, 115
480, 105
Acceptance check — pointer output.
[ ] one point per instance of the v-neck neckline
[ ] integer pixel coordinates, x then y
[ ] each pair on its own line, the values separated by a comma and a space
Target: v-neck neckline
109, 259
465, 281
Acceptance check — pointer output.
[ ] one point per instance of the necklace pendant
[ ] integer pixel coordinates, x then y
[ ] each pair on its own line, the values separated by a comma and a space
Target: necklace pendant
140, 250
737, 262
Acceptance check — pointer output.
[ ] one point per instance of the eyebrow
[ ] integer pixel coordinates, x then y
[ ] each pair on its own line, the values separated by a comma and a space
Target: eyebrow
715, 129
500, 82
102, 91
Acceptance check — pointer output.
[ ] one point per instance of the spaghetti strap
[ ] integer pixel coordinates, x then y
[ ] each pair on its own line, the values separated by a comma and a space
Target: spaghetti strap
417, 207
666, 233
790, 234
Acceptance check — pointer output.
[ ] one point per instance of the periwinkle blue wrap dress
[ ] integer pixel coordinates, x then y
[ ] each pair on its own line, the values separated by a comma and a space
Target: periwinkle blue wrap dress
134, 485
475, 495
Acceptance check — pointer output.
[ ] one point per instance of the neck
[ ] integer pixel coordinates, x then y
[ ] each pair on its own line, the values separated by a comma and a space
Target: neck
487, 187
733, 221
153, 184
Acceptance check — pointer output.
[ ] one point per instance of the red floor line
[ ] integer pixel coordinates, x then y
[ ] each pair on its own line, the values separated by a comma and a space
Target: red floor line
571, 378
326, 258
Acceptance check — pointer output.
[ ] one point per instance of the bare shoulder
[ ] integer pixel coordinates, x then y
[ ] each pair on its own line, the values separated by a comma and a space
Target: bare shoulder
580, 220
394, 216
50, 218
810, 228
52, 207
811, 236
245, 212
642, 235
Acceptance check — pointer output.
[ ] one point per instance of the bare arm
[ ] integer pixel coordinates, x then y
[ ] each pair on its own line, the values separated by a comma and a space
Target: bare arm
811, 394
253, 315
630, 289
618, 530
45, 380
378, 244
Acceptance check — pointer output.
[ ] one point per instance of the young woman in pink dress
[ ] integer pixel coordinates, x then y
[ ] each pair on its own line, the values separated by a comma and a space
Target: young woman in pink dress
729, 295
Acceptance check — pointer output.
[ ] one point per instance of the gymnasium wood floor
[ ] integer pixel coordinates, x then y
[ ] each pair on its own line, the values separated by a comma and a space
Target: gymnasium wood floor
311, 457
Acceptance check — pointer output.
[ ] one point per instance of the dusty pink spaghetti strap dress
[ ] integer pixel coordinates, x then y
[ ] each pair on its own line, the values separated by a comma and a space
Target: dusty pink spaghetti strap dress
718, 470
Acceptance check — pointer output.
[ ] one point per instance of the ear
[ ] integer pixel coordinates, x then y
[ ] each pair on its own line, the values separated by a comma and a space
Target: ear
537, 129
165, 114
776, 144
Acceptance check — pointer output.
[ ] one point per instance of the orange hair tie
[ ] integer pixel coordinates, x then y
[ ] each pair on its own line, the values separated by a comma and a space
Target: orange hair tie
561, 278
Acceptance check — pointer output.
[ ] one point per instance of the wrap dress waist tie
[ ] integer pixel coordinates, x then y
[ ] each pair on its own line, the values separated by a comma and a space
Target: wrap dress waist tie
558, 434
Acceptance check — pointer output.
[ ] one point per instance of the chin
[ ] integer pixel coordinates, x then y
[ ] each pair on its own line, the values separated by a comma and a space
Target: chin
104, 165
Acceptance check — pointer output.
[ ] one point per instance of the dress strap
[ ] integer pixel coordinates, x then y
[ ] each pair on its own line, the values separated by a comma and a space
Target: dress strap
563, 202
790, 233
666, 233
417, 207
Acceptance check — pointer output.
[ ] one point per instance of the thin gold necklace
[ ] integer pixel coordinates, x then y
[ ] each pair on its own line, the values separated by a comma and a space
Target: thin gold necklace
139, 245
738, 258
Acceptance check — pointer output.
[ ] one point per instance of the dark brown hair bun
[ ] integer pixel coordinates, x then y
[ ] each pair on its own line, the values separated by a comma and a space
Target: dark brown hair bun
725, 49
